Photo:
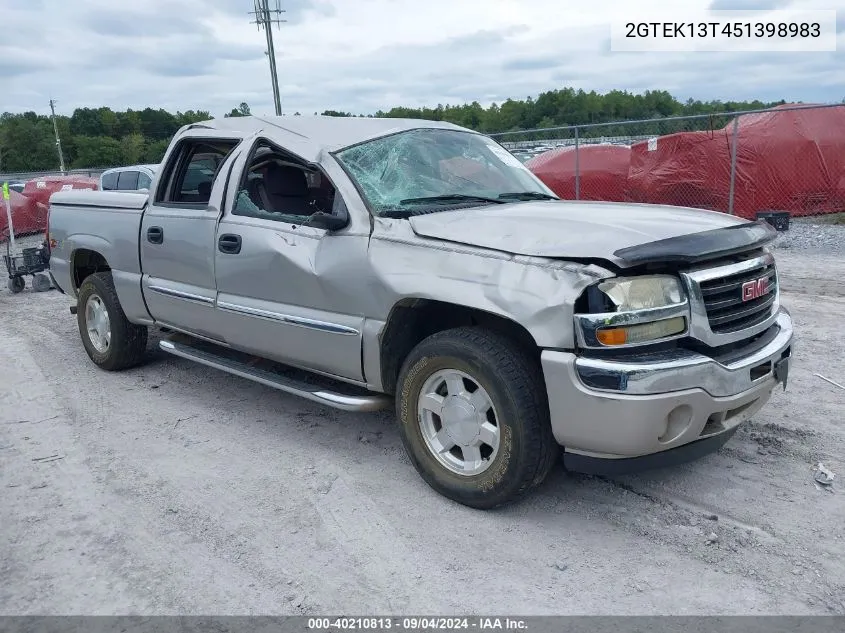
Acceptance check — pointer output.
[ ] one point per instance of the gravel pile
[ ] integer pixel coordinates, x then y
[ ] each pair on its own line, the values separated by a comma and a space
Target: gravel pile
806, 236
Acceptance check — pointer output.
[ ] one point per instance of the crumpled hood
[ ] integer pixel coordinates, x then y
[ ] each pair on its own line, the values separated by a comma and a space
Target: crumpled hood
568, 229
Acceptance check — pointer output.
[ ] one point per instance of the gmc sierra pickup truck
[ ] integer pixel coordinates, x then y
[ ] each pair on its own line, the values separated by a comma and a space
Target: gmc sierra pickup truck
366, 263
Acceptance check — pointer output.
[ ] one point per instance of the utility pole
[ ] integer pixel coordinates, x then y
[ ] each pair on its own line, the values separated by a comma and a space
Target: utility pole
264, 18
58, 140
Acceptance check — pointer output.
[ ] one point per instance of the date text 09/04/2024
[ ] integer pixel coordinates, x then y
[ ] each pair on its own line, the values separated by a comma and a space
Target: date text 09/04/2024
416, 624
726, 29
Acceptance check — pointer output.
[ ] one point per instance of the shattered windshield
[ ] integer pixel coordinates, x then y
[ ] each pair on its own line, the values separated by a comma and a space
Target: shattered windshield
426, 169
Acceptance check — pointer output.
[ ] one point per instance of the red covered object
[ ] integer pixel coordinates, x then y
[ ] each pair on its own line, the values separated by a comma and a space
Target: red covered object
687, 169
603, 170
40, 189
28, 215
790, 160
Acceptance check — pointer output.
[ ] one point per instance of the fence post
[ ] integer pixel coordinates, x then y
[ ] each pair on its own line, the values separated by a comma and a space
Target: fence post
577, 168
733, 166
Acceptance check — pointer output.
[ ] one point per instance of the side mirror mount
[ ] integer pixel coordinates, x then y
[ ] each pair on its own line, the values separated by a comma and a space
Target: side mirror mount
334, 221
321, 220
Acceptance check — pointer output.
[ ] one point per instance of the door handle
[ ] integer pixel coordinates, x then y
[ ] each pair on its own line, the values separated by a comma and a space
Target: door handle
229, 243
155, 235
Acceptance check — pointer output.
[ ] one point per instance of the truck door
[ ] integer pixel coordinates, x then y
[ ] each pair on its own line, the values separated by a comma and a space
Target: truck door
177, 237
287, 291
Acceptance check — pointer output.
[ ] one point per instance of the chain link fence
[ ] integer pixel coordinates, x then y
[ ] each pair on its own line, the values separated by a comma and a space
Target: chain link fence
788, 159
23, 176
23, 220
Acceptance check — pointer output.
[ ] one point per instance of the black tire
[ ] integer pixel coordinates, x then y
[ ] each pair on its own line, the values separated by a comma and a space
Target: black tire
527, 449
128, 343
16, 284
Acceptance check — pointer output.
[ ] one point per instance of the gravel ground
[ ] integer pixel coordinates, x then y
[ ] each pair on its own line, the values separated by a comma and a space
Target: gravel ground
176, 489
808, 235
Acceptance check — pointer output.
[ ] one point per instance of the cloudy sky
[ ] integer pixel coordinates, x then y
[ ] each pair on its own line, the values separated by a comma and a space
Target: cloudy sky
365, 55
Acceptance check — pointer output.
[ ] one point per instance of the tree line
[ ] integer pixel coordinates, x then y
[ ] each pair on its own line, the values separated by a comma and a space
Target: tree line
100, 137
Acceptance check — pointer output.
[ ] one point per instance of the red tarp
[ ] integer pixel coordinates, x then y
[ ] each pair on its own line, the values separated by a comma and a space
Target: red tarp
786, 161
40, 189
603, 171
687, 169
28, 216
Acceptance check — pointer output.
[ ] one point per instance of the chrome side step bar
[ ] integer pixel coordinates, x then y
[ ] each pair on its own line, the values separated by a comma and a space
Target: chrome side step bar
363, 401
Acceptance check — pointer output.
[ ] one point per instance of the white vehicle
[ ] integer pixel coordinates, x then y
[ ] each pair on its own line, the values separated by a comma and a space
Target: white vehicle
130, 178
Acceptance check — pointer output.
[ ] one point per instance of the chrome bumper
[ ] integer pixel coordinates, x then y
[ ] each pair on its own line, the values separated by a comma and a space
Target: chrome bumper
651, 404
683, 369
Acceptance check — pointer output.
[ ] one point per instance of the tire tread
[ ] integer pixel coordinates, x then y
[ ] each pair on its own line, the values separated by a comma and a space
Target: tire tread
518, 369
129, 340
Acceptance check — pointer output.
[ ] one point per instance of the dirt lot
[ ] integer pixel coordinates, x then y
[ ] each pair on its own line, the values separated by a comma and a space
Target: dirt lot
174, 488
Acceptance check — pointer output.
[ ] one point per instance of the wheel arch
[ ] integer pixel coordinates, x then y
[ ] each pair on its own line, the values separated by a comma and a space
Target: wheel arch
84, 262
413, 319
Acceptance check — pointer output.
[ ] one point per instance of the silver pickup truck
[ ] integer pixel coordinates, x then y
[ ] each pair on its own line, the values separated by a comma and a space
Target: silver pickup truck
366, 263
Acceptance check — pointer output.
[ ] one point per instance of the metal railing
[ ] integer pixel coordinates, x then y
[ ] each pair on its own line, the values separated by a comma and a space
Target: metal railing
789, 158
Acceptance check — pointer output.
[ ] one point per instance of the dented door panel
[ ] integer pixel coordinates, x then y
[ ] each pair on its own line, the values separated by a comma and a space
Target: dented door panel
287, 294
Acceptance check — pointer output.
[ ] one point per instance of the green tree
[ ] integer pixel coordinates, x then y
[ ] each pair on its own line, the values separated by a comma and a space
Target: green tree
157, 124
134, 149
128, 122
97, 152
241, 110
192, 116
27, 142
87, 122
155, 151
101, 137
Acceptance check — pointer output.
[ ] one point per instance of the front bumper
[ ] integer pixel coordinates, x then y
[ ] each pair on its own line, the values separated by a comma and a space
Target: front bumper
603, 411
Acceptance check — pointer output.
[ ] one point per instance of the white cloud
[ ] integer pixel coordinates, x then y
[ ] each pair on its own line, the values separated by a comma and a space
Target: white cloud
365, 55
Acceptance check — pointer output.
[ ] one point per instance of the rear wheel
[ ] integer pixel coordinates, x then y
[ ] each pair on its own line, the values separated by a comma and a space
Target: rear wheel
110, 340
474, 417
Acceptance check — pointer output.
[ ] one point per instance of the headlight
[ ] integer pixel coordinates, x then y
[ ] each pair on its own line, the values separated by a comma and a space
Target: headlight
629, 311
642, 293
642, 332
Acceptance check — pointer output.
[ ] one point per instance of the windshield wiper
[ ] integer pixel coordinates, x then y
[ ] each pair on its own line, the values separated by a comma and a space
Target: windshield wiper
527, 195
453, 197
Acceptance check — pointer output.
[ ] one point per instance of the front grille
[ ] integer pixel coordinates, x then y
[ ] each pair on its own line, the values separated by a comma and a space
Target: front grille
728, 310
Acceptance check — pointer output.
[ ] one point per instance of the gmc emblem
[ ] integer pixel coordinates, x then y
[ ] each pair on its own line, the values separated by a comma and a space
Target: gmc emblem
755, 289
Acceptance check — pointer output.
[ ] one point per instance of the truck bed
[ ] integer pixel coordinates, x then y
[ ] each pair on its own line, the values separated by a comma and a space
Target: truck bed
108, 223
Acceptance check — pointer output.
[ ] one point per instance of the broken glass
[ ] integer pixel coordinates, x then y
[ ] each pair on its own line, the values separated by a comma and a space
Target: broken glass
438, 164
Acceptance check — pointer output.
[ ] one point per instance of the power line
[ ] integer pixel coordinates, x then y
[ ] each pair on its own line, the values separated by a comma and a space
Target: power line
265, 18
58, 140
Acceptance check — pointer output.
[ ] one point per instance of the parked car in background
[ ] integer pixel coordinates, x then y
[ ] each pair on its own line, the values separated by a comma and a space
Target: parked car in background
129, 178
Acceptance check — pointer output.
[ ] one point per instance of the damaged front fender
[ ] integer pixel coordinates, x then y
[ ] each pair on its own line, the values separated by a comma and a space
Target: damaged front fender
537, 293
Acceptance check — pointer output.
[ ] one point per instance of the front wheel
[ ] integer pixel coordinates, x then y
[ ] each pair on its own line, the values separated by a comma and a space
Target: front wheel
110, 340
474, 417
